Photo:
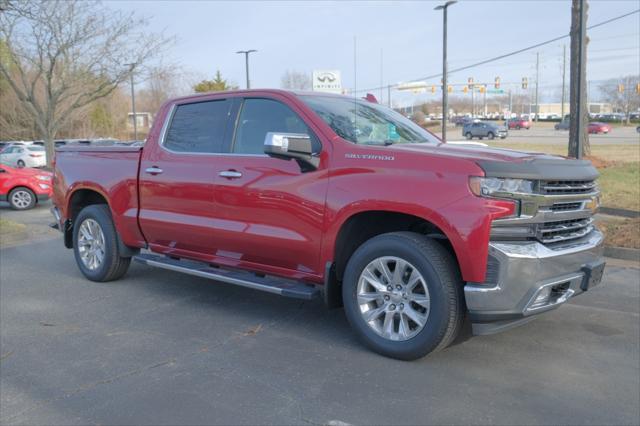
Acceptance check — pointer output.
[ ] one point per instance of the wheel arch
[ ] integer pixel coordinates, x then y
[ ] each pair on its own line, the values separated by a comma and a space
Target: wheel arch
363, 225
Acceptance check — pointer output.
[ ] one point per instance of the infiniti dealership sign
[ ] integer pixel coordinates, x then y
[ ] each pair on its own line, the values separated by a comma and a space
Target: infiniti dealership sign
327, 81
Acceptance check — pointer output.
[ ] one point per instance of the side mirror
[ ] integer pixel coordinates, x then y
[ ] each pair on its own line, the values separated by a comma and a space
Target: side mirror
295, 146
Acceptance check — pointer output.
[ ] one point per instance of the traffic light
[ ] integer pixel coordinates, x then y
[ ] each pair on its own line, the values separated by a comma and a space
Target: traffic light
433, 89
483, 88
621, 88
525, 82
450, 89
638, 88
497, 83
465, 89
470, 81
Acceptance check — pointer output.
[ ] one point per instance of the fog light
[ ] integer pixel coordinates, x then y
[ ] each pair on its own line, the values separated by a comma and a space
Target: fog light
542, 298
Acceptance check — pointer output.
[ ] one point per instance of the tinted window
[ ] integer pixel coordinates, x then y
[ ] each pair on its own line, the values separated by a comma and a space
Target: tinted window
261, 116
198, 127
35, 148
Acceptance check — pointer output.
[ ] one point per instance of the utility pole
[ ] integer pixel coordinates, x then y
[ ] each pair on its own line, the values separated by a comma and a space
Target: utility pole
246, 64
578, 137
133, 105
381, 74
484, 96
473, 101
564, 70
389, 96
537, 81
445, 93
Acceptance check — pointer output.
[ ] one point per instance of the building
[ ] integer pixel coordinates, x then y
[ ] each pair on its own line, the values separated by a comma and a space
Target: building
144, 120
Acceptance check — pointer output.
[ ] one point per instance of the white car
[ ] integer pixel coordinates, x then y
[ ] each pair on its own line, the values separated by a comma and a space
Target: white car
24, 156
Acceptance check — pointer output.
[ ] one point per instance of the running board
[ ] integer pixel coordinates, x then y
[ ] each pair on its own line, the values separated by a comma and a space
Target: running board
270, 284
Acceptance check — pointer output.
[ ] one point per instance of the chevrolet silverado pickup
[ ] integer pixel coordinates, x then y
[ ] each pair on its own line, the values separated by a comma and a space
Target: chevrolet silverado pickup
311, 195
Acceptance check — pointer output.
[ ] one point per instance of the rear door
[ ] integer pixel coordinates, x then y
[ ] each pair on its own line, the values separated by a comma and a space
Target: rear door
269, 212
177, 178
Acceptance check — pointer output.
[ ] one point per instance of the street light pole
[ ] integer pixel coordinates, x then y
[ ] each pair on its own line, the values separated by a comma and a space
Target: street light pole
445, 93
246, 63
133, 105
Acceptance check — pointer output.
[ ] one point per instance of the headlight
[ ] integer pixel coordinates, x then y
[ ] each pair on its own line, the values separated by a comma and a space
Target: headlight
45, 178
499, 187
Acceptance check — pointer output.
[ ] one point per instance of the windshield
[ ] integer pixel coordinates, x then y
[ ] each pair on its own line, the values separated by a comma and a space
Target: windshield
366, 123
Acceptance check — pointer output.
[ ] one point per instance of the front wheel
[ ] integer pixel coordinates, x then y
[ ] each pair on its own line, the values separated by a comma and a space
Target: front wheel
491, 136
95, 245
22, 199
20, 164
402, 294
468, 135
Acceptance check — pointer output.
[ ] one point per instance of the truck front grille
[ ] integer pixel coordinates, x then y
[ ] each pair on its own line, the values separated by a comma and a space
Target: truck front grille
555, 232
559, 187
563, 207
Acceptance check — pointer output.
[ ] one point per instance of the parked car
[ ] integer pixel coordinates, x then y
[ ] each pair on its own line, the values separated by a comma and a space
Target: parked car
482, 130
518, 123
597, 127
24, 188
24, 156
563, 125
461, 121
292, 195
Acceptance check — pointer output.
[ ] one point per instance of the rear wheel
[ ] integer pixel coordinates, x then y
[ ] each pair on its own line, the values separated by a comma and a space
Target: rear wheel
468, 135
22, 198
402, 295
96, 246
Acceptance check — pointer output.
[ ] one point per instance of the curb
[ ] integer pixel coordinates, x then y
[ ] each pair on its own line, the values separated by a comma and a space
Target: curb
623, 253
619, 212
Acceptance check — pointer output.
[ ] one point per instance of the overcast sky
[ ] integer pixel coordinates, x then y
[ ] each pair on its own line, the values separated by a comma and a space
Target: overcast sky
305, 35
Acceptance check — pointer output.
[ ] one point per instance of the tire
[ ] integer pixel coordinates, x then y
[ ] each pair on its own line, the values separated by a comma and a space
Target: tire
468, 135
440, 276
556, 127
112, 266
20, 164
517, 127
22, 198
491, 136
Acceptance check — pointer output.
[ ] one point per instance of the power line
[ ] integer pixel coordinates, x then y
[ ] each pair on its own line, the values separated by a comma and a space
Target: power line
506, 55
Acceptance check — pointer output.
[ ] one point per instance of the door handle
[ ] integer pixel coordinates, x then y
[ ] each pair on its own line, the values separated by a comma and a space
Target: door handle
153, 170
230, 174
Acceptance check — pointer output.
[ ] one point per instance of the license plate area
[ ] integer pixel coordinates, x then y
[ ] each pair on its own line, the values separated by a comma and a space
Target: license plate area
592, 275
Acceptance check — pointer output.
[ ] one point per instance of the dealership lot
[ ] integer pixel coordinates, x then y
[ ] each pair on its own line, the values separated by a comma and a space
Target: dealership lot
164, 348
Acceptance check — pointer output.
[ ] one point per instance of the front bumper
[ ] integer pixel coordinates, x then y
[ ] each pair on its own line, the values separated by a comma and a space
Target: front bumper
519, 272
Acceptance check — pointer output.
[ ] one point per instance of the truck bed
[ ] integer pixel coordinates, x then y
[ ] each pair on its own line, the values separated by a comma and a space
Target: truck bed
112, 171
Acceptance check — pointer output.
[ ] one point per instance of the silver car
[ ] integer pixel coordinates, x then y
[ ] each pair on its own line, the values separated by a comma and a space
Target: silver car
481, 130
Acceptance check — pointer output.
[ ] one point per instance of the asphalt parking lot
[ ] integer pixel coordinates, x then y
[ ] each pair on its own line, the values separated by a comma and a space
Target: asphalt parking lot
162, 348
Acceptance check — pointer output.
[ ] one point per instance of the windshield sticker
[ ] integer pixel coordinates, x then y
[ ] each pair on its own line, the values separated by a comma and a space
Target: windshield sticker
392, 132
369, 157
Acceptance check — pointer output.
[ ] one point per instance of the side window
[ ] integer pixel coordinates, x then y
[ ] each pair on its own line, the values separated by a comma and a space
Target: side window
198, 127
261, 116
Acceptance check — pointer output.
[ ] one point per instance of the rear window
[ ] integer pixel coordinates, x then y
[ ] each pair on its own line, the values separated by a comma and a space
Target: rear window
35, 148
198, 127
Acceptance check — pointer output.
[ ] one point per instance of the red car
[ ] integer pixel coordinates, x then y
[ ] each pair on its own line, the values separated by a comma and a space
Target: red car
519, 123
24, 187
290, 194
596, 128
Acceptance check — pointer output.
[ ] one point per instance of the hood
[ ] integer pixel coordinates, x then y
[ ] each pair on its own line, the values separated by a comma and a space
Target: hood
508, 163
26, 171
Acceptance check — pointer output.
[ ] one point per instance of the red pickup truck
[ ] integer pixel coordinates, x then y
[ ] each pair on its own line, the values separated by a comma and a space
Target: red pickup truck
315, 195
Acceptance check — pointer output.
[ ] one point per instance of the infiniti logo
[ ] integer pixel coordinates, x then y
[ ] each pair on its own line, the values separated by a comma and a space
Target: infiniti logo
327, 76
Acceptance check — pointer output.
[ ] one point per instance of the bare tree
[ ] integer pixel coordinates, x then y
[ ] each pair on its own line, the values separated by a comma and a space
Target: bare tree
65, 54
296, 80
627, 100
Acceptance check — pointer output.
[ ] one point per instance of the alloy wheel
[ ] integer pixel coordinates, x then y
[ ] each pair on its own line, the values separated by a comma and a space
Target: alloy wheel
91, 246
21, 199
393, 298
